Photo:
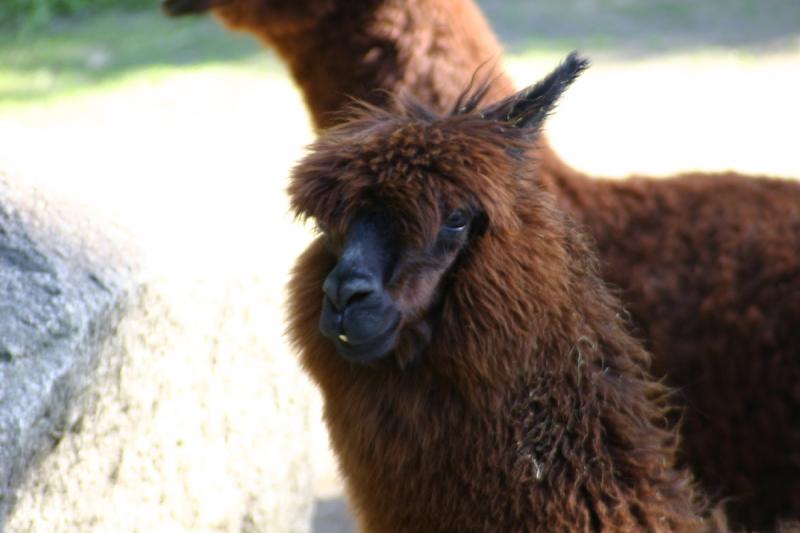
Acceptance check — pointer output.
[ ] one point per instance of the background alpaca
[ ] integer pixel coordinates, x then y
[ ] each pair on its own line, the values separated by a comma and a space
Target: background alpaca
484, 379
707, 264
367, 49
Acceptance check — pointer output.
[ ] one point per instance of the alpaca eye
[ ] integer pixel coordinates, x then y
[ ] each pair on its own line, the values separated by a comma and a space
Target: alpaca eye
457, 220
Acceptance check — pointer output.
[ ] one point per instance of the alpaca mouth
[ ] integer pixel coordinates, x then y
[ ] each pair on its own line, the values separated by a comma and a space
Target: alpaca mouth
368, 350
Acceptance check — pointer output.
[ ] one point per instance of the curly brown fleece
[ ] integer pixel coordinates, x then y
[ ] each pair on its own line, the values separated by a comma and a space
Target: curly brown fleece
531, 408
707, 265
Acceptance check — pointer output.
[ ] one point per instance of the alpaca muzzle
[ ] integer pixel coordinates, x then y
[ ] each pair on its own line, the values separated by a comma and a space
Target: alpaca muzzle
361, 322
358, 314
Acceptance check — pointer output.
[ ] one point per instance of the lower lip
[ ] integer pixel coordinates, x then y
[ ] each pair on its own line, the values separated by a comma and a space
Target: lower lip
353, 351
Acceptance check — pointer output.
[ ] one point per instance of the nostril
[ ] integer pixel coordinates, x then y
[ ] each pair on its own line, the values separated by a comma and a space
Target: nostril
355, 290
349, 291
357, 297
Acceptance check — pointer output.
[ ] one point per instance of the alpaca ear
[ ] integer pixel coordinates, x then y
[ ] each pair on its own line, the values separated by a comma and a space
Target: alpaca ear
529, 107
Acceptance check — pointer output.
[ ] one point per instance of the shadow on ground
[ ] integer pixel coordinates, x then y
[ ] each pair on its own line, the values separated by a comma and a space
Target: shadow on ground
645, 27
330, 515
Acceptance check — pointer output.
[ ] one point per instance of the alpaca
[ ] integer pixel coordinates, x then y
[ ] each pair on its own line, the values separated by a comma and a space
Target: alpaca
706, 265
476, 372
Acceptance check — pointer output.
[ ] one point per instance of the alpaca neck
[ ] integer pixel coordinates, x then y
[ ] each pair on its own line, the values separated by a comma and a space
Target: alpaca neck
340, 49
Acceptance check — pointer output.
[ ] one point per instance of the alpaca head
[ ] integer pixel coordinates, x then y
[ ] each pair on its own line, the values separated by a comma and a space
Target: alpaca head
249, 11
401, 196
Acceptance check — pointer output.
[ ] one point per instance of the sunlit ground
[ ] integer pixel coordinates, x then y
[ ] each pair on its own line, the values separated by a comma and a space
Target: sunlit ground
184, 135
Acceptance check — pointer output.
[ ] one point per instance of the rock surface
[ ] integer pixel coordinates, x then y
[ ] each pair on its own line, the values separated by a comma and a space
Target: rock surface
140, 396
63, 290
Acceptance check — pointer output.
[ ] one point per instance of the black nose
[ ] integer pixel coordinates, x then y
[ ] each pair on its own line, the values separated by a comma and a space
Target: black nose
344, 289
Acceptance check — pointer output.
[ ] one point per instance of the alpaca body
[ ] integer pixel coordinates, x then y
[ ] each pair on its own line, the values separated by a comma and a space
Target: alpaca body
707, 265
720, 270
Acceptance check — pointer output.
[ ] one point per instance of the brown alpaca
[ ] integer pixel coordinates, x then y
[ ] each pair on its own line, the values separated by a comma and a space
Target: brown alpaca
477, 373
707, 265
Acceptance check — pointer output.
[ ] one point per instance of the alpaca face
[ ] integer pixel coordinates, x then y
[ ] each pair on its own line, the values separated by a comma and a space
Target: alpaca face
401, 196
382, 287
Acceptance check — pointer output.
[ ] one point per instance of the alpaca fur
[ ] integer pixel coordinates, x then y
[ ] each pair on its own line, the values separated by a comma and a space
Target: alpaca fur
530, 408
707, 265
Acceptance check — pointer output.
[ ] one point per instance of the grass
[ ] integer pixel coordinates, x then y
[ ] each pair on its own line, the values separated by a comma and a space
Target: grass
97, 52
645, 27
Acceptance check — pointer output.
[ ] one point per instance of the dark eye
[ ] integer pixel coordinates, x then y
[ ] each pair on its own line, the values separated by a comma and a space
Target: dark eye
457, 220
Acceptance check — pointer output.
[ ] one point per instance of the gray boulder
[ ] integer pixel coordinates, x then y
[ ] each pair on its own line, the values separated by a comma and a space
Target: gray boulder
63, 291
141, 394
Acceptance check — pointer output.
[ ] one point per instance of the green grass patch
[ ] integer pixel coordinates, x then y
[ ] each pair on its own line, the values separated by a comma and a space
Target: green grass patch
645, 27
30, 15
99, 50
91, 52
